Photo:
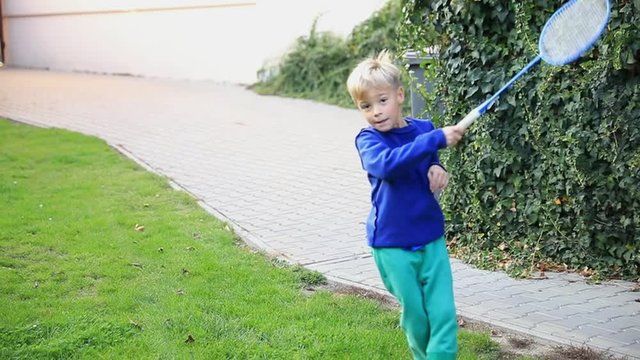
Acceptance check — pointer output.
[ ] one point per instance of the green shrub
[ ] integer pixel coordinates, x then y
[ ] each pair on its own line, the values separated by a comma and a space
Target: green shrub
318, 65
549, 175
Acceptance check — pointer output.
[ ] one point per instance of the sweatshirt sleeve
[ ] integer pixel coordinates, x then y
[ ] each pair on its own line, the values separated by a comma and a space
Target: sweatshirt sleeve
386, 163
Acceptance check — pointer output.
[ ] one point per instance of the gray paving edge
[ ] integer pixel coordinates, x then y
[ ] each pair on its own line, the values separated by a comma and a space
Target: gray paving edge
246, 236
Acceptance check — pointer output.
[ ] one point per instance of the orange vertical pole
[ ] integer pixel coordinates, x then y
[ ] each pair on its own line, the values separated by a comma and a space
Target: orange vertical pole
1, 36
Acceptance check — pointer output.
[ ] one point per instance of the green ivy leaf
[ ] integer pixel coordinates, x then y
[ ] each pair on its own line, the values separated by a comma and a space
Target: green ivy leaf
471, 90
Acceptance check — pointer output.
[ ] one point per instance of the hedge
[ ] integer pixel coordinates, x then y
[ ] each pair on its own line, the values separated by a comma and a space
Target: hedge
317, 65
550, 176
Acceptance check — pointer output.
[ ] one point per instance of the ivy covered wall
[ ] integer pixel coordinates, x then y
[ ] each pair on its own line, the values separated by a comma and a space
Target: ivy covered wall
550, 176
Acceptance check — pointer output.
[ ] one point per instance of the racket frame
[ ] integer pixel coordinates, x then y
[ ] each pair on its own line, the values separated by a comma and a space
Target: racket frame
476, 113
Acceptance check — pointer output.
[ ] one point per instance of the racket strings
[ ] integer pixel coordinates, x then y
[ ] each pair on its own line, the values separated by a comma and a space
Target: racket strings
570, 32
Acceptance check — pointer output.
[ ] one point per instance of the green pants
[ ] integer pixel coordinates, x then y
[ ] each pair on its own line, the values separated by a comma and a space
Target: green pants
421, 281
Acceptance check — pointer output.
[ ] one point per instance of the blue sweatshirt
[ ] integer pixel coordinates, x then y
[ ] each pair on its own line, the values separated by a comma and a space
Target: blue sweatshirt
404, 212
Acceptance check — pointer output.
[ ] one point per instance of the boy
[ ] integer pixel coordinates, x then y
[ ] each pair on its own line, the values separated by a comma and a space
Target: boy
405, 228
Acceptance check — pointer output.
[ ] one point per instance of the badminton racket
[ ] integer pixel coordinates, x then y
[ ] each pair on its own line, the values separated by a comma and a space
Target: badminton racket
567, 35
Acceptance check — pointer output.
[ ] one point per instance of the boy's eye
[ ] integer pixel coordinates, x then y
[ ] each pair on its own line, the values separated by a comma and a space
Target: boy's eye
383, 100
364, 106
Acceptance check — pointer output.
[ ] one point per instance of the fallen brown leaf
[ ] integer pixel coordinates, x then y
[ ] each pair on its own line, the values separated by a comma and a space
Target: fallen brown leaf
135, 324
539, 276
462, 323
586, 272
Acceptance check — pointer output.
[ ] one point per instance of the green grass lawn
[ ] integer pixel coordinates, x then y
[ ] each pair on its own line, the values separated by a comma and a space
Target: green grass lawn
100, 259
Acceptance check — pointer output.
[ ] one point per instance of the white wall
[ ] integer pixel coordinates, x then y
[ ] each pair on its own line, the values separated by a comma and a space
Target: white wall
226, 41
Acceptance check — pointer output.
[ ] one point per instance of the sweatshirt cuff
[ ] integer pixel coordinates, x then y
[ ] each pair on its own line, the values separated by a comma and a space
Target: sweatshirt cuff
442, 140
437, 163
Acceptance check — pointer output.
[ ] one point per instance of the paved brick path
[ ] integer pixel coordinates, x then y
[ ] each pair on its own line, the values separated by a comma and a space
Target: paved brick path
285, 174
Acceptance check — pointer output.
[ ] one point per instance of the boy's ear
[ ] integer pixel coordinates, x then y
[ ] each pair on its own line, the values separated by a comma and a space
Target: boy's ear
400, 94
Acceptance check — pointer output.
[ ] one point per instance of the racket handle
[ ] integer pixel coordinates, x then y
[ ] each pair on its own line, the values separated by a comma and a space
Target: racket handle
470, 118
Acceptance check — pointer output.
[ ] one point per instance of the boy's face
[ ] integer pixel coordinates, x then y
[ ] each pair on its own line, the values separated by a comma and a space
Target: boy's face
382, 107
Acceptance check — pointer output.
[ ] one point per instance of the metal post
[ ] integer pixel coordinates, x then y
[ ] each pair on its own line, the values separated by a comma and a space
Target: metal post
414, 60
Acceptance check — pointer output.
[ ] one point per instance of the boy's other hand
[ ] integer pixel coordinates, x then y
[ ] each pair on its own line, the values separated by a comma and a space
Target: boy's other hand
453, 134
438, 178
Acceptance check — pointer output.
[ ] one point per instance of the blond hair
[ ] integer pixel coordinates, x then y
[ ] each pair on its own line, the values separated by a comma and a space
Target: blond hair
371, 73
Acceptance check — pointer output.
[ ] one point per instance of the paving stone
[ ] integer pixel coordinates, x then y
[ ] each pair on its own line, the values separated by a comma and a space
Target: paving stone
591, 331
599, 314
624, 337
604, 344
533, 319
562, 312
631, 350
554, 327
625, 322
524, 309
542, 296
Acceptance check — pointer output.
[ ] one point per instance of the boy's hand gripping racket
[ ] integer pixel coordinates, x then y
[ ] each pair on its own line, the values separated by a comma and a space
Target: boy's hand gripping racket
569, 33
